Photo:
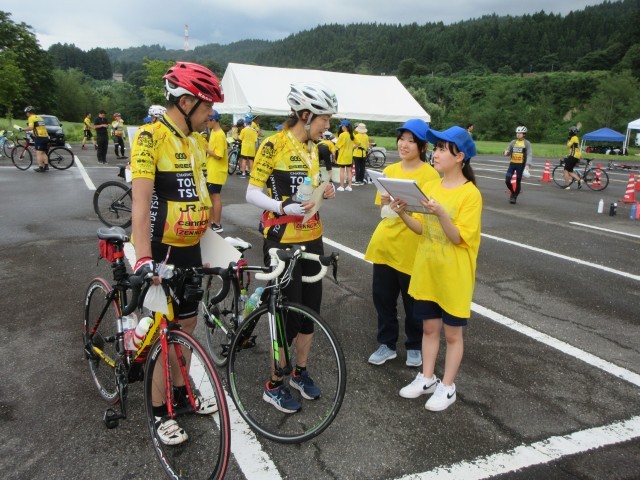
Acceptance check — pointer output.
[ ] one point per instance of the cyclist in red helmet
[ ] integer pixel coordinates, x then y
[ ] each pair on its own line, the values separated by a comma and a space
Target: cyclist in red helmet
171, 203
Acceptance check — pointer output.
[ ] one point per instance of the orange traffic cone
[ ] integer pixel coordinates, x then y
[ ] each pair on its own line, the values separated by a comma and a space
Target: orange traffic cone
596, 181
514, 180
546, 175
630, 196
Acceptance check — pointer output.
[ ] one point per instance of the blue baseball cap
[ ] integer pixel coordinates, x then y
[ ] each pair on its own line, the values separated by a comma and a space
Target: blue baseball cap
147, 119
457, 135
416, 126
344, 123
278, 127
215, 115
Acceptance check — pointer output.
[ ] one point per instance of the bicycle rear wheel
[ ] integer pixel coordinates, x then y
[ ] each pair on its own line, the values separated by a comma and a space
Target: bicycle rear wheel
99, 336
21, 157
60, 158
112, 203
205, 454
376, 159
558, 176
596, 179
8, 146
249, 368
233, 161
219, 330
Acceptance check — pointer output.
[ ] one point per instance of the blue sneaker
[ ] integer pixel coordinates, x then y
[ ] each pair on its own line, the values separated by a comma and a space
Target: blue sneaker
382, 354
305, 385
280, 397
414, 358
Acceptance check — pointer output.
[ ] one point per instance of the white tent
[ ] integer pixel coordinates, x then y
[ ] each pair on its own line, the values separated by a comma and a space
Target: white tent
635, 125
263, 91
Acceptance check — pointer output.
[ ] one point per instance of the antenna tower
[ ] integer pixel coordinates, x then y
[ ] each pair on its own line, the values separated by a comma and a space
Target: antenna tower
186, 37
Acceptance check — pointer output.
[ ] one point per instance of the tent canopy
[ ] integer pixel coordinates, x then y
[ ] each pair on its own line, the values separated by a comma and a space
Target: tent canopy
264, 90
633, 125
604, 135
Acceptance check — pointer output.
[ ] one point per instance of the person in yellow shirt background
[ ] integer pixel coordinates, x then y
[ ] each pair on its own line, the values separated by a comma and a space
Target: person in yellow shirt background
117, 132
444, 270
360, 152
38, 129
217, 172
392, 250
87, 132
249, 138
345, 146
573, 143
326, 154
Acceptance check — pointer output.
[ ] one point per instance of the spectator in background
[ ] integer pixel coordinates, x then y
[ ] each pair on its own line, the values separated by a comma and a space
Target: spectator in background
249, 138
360, 152
217, 169
345, 145
326, 154
470, 128
101, 125
87, 132
117, 132
520, 152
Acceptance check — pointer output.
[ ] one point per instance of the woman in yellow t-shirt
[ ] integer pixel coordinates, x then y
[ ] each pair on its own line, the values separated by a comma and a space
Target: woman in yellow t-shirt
345, 146
444, 269
392, 250
360, 152
217, 169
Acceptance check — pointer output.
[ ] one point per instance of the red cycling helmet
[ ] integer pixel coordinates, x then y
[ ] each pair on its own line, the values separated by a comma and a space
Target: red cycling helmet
186, 78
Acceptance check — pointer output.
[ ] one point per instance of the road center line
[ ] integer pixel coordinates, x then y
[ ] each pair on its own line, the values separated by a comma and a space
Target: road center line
85, 175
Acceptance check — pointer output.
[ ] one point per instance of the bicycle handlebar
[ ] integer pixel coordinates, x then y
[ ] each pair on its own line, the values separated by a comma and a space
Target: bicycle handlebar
280, 257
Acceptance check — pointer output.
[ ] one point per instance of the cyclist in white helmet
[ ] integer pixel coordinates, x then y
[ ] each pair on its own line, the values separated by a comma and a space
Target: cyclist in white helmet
521, 153
282, 162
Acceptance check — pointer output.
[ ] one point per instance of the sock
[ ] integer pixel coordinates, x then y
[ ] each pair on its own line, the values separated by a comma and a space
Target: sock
274, 384
160, 411
299, 370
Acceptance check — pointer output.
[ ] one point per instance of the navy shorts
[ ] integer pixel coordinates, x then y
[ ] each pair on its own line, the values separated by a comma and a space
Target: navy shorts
41, 144
426, 310
214, 187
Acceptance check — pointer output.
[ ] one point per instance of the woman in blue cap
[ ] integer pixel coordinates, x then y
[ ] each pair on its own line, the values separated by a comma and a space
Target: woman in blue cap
392, 251
443, 275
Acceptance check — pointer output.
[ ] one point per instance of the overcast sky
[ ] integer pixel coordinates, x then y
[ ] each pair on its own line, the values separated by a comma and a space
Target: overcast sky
132, 23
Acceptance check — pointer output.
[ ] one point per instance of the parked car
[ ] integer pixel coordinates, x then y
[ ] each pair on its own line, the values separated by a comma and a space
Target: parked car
54, 128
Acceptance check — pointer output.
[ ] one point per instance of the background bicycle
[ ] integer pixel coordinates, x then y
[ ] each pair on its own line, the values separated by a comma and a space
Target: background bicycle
161, 355
234, 154
376, 156
112, 201
7, 142
22, 153
594, 178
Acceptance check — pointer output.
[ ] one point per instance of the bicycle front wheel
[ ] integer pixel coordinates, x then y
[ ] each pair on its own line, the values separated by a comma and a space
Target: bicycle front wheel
112, 203
220, 320
100, 340
596, 179
558, 176
7, 147
251, 360
60, 158
21, 157
205, 453
376, 159
233, 162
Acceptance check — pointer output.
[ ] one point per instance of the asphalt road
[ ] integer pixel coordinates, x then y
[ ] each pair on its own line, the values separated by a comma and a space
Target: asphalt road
548, 387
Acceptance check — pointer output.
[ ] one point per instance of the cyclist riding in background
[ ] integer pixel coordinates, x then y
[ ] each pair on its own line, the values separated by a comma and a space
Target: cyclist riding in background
40, 138
572, 160
170, 210
282, 162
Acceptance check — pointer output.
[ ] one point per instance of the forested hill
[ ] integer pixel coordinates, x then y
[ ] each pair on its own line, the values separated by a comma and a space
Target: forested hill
596, 38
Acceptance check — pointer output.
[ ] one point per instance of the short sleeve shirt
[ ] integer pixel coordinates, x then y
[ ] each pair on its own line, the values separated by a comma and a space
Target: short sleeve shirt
249, 137
217, 168
345, 145
38, 125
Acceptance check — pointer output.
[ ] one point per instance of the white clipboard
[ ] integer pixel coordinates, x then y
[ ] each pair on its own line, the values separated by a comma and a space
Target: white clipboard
407, 191
316, 197
374, 175
216, 251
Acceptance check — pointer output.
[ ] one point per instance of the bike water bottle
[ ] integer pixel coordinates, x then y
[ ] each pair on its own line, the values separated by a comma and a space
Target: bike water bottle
253, 301
305, 189
634, 209
129, 324
141, 331
601, 206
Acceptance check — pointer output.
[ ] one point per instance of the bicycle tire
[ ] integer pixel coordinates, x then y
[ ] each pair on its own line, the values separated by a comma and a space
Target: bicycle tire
233, 161
7, 147
104, 338
376, 159
206, 452
249, 367
61, 158
219, 331
590, 179
112, 202
558, 176
21, 157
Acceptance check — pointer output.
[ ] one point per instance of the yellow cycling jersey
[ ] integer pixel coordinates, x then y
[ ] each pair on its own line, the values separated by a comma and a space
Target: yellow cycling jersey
519, 153
281, 164
574, 147
176, 163
87, 123
117, 127
38, 125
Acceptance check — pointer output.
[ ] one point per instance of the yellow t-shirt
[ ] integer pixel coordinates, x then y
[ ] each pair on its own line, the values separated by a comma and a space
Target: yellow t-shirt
392, 242
249, 138
330, 145
574, 147
37, 123
280, 165
345, 145
443, 272
363, 140
180, 202
217, 169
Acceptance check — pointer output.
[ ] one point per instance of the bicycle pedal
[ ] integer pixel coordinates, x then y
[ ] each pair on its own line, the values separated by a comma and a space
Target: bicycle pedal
249, 342
111, 418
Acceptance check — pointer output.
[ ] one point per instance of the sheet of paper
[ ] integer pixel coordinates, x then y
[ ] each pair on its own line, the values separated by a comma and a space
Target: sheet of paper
316, 197
406, 190
216, 252
375, 175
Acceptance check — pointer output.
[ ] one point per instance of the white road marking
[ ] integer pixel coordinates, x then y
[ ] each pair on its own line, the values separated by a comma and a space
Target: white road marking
605, 229
84, 174
502, 180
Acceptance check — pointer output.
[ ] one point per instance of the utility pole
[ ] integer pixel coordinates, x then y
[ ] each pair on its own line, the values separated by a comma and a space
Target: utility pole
186, 37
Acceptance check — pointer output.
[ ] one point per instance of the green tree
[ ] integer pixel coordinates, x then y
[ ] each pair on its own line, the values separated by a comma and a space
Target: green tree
153, 89
74, 94
12, 82
615, 98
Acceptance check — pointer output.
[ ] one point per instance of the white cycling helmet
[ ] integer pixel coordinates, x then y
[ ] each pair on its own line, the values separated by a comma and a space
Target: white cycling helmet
157, 111
313, 97
521, 129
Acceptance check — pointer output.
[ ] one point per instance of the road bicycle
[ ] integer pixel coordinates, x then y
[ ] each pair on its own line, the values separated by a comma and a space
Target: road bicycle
258, 345
59, 158
180, 358
376, 157
112, 202
594, 178
7, 142
234, 155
